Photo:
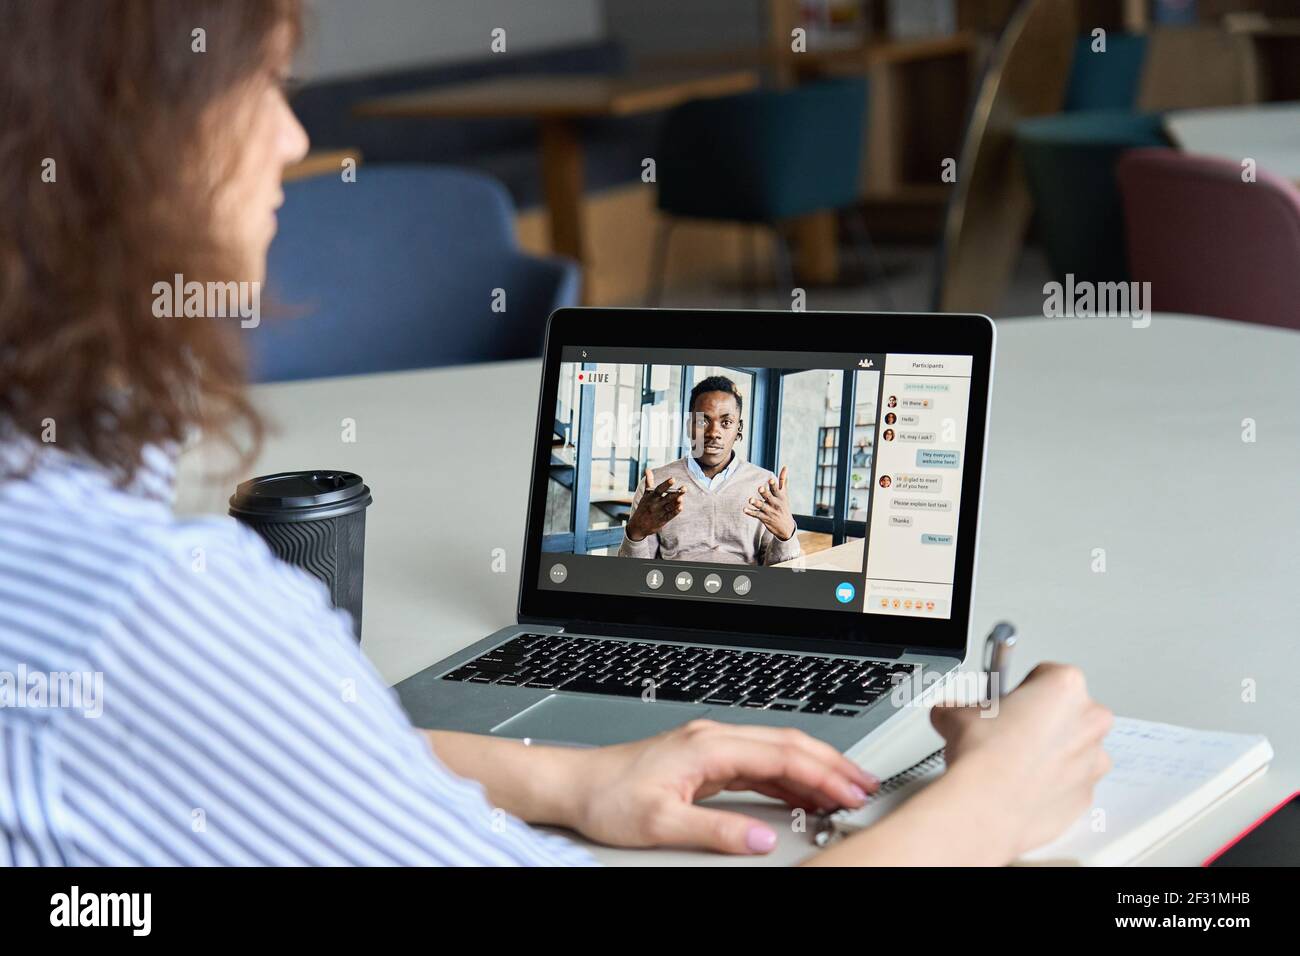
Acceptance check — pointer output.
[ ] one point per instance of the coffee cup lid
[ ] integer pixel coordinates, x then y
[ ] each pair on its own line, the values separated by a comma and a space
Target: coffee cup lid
300, 496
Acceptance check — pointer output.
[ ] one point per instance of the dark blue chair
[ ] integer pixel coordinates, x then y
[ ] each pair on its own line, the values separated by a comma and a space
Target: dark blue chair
762, 158
400, 270
1069, 161
1109, 80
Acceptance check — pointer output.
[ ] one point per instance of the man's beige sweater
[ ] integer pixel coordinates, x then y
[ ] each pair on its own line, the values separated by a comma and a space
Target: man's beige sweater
713, 525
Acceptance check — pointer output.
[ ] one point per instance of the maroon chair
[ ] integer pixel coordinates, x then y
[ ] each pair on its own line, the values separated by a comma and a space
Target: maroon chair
1209, 243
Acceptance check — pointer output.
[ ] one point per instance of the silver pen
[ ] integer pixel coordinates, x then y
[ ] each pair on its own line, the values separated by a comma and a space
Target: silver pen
997, 656
997, 661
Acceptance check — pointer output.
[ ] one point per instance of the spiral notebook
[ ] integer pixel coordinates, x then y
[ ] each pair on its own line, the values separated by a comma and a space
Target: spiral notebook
1163, 778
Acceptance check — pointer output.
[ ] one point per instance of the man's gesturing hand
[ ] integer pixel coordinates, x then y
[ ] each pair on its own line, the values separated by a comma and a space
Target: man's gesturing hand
658, 506
772, 507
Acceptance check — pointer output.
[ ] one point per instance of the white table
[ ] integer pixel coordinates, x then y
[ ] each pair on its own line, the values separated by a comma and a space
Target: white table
1103, 436
1268, 133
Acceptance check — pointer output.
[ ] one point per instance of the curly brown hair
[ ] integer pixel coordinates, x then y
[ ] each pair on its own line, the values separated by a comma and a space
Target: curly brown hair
107, 141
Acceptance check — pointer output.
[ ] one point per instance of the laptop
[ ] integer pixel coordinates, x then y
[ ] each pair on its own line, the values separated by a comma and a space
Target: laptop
746, 516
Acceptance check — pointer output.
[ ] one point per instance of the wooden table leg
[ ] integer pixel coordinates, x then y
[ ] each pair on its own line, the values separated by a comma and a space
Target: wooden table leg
817, 258
563, 183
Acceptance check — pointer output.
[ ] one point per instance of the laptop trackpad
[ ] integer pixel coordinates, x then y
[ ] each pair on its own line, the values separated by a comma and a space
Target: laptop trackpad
587, 720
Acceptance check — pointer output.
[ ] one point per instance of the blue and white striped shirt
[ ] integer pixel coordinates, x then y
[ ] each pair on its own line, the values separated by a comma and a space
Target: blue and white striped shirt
170, 693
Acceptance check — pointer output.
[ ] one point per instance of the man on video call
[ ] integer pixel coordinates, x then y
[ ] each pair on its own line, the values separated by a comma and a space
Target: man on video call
712, 505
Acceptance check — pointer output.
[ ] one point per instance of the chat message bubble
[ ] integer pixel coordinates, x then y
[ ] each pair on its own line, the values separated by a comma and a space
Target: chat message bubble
931, 484
916, 436
915, 403
920, 504
937, 458
909, 419
900, 521
945, 539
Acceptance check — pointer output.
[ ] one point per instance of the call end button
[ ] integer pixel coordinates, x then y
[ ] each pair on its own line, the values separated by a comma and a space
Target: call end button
713, 583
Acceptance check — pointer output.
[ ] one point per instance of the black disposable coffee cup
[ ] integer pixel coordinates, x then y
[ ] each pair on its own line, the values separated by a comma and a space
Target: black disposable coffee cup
315, 520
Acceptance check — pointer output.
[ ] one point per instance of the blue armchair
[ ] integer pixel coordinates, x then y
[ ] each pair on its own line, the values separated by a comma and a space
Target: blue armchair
407, 267
763, 158
1069, 161
1109, 80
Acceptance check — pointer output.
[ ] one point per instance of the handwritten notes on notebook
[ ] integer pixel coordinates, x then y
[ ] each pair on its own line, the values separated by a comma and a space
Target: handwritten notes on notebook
1162, 777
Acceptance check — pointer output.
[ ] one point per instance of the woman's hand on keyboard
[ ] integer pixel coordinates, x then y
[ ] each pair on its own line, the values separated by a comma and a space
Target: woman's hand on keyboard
643, 793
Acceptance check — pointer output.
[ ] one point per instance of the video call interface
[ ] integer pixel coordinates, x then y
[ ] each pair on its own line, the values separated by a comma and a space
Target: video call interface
790, 479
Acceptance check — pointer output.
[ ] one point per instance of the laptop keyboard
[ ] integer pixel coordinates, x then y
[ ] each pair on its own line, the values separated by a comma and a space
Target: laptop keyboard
723, 677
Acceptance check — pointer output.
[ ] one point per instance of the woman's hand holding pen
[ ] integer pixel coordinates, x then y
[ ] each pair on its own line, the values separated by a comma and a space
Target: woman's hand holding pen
1038, 758
1014, 781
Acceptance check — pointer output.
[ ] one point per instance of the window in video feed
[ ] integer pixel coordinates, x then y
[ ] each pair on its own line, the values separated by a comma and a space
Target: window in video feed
850, 471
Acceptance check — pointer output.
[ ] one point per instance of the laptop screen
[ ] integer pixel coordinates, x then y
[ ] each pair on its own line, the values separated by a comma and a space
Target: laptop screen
758, 480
